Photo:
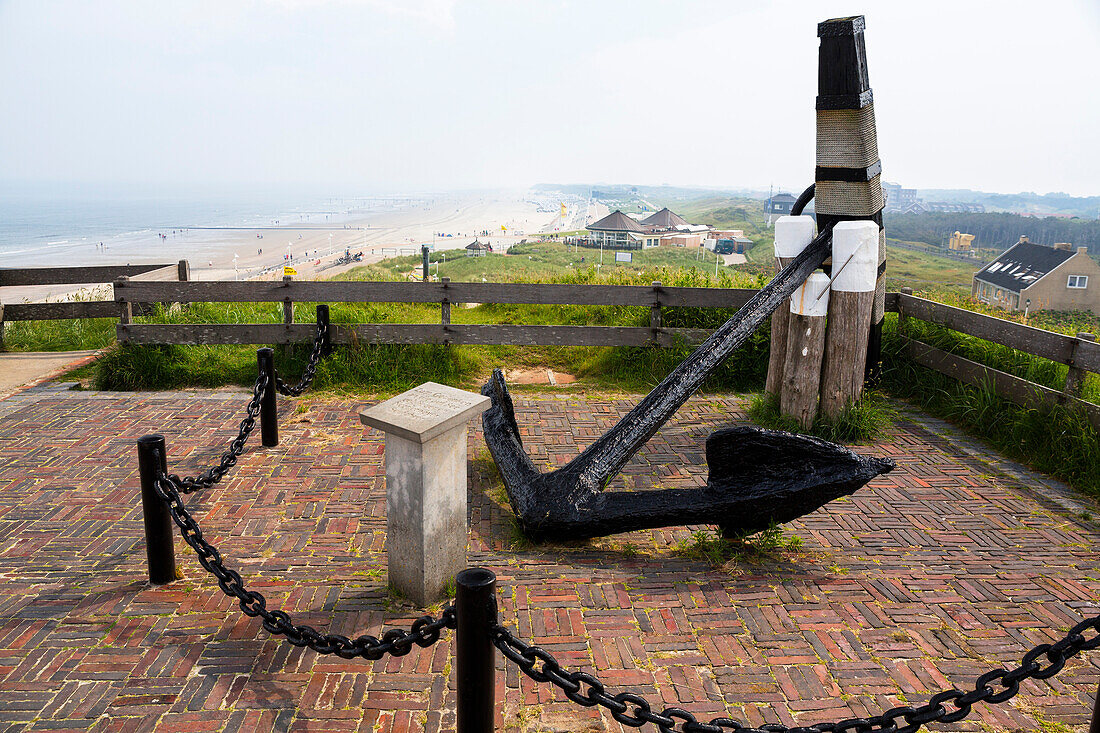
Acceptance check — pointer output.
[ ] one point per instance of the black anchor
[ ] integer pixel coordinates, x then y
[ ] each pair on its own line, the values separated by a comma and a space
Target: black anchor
757, 477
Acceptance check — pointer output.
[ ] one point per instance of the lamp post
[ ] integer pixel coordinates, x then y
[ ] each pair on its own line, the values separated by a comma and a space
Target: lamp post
235, 272
1027, 307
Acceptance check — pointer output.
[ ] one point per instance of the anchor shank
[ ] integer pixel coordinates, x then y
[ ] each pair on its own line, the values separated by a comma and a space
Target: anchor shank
606, 457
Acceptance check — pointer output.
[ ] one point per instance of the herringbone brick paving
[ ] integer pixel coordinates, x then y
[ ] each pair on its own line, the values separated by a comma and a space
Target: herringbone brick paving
920, 581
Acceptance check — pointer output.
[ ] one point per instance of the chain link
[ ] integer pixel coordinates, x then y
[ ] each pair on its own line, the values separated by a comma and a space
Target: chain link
424, 632
214, 474
311, 366
634, 711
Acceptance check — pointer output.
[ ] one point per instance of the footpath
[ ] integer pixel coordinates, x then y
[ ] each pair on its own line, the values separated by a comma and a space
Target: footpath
924, 579
22, 368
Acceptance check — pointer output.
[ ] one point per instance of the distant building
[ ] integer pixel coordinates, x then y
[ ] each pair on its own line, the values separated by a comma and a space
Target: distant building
778, 205
619, 231
952, 207
961, 242
1033, 277
477, 249
665, 219
899, 199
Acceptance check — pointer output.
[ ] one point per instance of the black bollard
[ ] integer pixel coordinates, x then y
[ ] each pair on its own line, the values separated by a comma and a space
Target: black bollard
161, 553
269, 418
424, 254
475, 655
322, 320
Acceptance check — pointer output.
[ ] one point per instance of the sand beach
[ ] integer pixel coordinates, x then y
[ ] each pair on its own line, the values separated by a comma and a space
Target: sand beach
444, 222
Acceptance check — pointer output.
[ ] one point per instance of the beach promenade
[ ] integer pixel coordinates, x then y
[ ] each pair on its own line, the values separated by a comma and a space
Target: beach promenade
956, 562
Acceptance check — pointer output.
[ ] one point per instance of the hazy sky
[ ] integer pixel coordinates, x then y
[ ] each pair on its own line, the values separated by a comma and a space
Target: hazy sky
384, 95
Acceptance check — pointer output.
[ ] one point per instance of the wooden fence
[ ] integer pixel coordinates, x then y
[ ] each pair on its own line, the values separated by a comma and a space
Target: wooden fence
1081, 354
13, 277
444, 293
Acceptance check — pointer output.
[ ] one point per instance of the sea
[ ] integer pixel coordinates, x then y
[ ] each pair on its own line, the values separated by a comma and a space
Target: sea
76, 225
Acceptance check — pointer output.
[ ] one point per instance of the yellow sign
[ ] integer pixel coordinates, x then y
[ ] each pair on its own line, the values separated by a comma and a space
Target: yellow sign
564, 211
289, 271
503, 228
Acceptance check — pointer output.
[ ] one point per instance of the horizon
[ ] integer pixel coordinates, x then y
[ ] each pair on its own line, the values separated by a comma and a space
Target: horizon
456, 95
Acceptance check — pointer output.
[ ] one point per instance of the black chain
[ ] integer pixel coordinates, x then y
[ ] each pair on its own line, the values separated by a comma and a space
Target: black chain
635, 711
424, 632
214, 474
311, 366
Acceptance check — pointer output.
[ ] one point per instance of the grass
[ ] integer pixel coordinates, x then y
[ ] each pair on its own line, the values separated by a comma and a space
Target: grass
542, 261
863, 422
929, 273
767, 545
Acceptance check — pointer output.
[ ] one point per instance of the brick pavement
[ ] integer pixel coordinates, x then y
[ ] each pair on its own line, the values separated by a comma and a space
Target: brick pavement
919, 581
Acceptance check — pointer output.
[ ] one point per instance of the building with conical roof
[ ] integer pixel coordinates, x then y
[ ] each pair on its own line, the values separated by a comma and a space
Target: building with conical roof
665, 219
619, 231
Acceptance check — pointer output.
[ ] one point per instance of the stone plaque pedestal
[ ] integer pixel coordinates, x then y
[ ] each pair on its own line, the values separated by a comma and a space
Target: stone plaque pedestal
425, 455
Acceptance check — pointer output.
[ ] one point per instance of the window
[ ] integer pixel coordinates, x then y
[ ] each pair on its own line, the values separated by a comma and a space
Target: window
1078, 281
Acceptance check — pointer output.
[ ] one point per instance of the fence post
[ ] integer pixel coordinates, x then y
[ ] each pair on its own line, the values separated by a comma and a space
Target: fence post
475, 655
848, 178
1075, 377
655, 312
287, 349
1, 326
792, 235
805, 348
902, 318
424, 264
323, 320
159, 548
851, 296
269, 417
125, 309
183, 271
445, 305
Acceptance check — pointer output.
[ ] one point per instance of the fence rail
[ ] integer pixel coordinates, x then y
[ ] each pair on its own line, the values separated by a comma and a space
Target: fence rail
1080, 353
35, 276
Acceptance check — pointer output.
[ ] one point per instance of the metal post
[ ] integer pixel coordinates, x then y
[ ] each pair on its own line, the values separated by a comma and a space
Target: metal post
161, 553
322, 320
475, 656
1095, 727
269, 418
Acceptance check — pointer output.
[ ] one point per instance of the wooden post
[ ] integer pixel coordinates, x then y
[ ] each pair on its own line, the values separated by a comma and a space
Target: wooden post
445, 306
183, 270
805, 348
902, 318
655, 311
2, 326
287, 350
848, 178
851, 296
792, 234
1075, 377
125, 308
288, 304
